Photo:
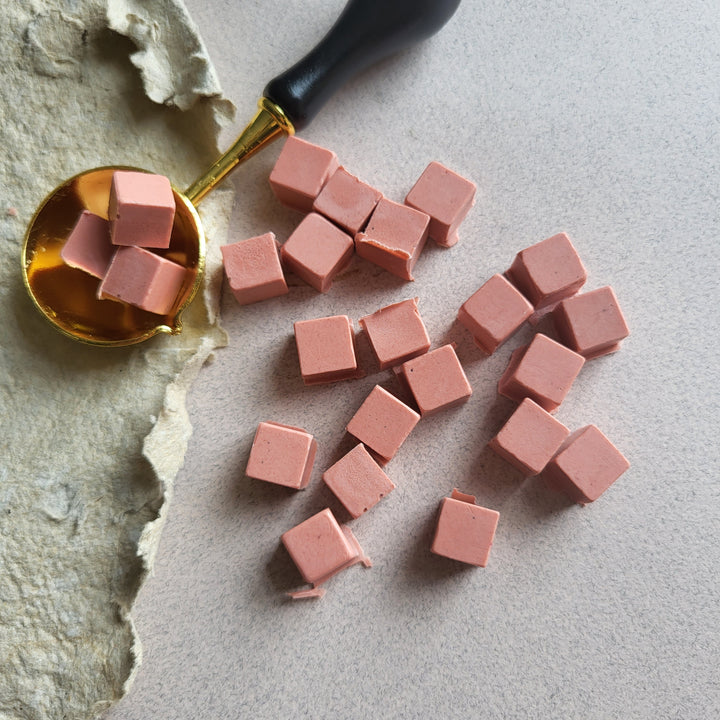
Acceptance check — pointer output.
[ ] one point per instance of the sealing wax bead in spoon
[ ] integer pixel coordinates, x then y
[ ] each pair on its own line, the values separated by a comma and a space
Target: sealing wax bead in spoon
366, 31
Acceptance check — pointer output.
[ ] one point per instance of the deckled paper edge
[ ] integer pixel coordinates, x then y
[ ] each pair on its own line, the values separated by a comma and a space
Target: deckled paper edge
176, 74
166, 460
163, 84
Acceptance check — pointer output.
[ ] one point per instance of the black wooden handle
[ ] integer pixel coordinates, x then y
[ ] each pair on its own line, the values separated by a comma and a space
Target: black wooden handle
367, 31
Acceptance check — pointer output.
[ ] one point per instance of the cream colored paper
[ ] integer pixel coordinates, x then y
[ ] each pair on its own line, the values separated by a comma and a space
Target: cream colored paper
91, 437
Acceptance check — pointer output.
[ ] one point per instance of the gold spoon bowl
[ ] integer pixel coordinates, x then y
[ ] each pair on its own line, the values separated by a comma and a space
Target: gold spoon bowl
67, 297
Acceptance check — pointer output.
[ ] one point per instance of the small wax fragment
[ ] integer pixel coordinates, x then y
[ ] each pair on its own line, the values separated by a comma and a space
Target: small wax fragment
309, 593
282, 454
301, 171
591, 323
394, 237
140, 278
530, 438
396, 333
494, 312
326, 349
465, 530
321, 547
548, 271
347, 201
317, 251
141, 209
382, 423
544, 371
253, 269
88, 246
357, 481
586, 466
436, 380
446, 197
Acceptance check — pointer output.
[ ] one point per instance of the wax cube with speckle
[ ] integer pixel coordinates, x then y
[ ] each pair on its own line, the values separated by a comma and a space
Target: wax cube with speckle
358, 481
591, 323
465, 530
282, 454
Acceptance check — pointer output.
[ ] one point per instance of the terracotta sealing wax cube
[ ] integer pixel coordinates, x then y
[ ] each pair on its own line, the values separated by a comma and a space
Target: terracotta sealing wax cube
494, 313
358, 481
326, 349
586, 466
300, 172
394, 238
282, 454
347, 201
544, 371
396, 333
321, 547
141, 209
436, 380
382, 423
253, 269
446, 197
88, 247
143, 279
530, 438
548, 271
317, 251
591, 323
465, 531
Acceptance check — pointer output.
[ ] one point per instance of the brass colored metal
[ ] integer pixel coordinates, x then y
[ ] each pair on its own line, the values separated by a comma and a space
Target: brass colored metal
269, 123
67, 297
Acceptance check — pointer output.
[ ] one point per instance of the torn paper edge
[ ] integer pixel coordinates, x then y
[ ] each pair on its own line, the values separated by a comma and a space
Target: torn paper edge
173, 73
158, 62
166, 462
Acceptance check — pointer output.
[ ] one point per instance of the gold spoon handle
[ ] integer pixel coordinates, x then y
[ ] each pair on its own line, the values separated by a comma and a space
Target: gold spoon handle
366, 31
268, 124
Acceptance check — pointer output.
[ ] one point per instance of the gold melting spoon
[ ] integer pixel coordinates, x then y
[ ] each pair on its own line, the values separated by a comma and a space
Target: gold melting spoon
366, 32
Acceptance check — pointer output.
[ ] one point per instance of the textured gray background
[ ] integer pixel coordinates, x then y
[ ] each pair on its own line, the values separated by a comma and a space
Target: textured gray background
599, 119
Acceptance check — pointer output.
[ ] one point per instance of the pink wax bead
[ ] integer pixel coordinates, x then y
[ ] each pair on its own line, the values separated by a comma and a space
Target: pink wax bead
530, 438
317, 251
544, 371
301, 171
394, 237
446, 197
282, 454
88, 246
321, 548
253, 269
494, 312
396, 333
347, 201
326, 349
465, 530
140, 278
358, 481
548, 271
591, 323
141, 209
382, 423
436, 380
586, 466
